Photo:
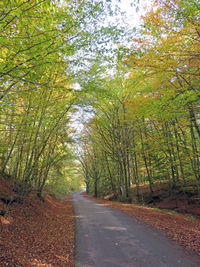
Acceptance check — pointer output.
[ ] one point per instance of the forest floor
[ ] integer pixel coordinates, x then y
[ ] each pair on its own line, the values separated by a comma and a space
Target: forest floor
183, 228
182, 199
36, 233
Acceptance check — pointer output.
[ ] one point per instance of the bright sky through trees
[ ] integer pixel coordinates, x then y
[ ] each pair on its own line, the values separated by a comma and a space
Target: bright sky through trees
130, 15
134, 11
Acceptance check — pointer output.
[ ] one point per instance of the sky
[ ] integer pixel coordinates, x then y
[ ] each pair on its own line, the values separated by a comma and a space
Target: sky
134, 12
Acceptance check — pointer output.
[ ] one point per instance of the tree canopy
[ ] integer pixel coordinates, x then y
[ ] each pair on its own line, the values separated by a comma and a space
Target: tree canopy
146, 127
141, 89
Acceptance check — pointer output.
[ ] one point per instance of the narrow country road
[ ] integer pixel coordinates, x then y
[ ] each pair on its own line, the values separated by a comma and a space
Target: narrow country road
109, 238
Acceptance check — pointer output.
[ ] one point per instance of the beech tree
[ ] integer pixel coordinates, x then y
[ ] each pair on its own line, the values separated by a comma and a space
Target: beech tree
43, 46
148, 129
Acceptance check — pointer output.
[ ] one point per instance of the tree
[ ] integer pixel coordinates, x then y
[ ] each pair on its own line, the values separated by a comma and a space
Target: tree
40, 41
147, 116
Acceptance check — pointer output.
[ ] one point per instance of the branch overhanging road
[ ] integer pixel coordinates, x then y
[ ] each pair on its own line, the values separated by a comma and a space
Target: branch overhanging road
106, 237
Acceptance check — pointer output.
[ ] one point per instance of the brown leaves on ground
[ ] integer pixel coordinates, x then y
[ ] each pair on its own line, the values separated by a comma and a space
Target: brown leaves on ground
38, 233
181, 228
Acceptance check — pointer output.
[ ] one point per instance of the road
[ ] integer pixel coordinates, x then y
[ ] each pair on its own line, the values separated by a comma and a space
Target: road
106, 237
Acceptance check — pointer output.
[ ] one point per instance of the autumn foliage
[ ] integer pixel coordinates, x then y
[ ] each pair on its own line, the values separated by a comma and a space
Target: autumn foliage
146, 126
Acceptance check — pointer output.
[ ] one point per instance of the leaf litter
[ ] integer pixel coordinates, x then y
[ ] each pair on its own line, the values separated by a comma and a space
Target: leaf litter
37, 233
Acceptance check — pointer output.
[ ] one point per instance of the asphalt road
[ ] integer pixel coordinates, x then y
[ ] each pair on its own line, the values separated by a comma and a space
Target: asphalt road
106, 237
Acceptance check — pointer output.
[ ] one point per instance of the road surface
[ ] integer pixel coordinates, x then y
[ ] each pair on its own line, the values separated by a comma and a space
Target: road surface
106, 237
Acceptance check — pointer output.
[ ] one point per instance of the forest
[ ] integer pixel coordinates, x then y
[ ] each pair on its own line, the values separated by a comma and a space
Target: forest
140, 88
101, 96
40, 41
146, 123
